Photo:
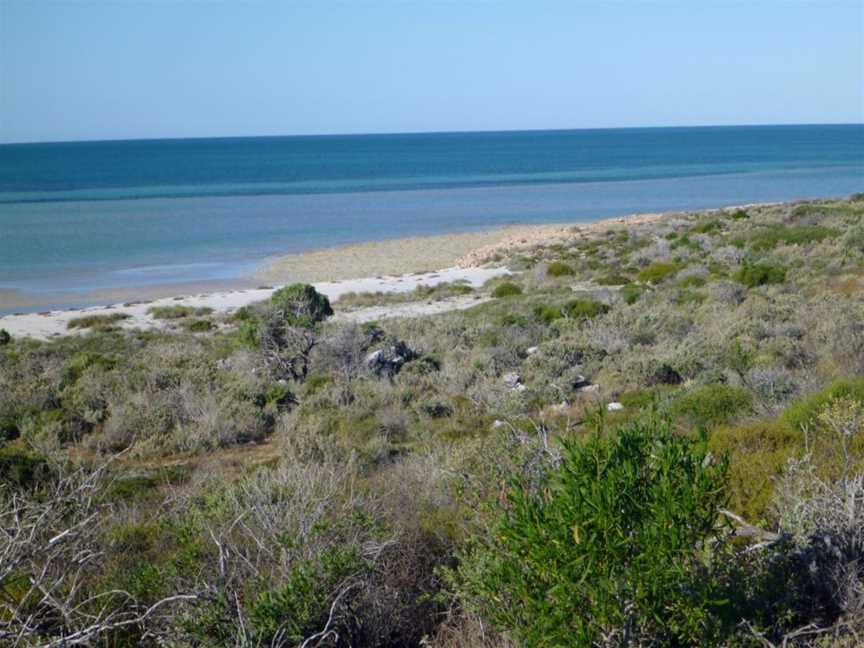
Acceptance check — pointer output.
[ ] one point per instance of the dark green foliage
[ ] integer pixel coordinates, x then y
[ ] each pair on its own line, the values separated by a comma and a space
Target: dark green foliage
506, 289
612, 540
300, 607
577, 309
559, 269
739, 214
631, 293
760, 274
21, 467
5, 338
711, 405
198, 325
657, 272
301, 305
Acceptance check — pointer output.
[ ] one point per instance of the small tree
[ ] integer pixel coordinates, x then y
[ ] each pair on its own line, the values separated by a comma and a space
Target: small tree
301, 305
611, 549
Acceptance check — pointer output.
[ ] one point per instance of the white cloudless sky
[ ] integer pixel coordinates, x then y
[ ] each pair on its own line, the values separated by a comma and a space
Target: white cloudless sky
152, 68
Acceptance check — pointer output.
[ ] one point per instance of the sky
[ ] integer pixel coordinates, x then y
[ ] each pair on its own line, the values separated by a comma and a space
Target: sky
123, 69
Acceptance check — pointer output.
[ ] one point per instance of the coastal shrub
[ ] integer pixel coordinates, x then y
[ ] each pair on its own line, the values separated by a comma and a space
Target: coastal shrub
712, 405
5, 338
693, 281
607, 546
631, 293
739, 214
506, 289
758, 452
657, 272
768, 238
198, 325
22, 467
804, 412
559, 269
753, 275
584, 308
707, 227
96, 321
300, 305
177, 311
612, 279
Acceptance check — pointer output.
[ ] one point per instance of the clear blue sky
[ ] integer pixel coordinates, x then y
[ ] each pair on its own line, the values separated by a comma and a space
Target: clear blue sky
152, 68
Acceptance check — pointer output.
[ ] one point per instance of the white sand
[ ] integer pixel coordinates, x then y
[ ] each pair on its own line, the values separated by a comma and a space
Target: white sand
51, 324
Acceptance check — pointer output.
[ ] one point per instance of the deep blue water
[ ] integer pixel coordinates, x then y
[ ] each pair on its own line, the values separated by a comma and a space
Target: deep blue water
90, 215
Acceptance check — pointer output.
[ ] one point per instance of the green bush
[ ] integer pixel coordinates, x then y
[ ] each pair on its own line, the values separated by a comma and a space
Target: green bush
198, 325
770, 237
804, 412
559, 269
177, 311
631, 293
584, 308
609, 545
712, 405
301, 305
657, 272
612, 279
506, 289
707, 227
760, 274
96, 321
758, 452
21, 467
5, 338
739, 214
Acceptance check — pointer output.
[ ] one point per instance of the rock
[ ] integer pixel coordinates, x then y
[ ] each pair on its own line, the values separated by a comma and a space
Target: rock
511, 380
580, 382
388, 360
614, 407
497, 423
531, 350
589, 389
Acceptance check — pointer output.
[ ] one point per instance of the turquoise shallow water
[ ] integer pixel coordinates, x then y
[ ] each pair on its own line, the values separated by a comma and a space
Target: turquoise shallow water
97, 215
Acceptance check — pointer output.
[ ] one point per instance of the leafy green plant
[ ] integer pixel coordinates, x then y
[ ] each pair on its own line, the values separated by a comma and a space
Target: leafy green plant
631, 293
198, 325
760, 274
559, 269
506, 289
711, 405
611, 544
301, 305
5, 338
657, 272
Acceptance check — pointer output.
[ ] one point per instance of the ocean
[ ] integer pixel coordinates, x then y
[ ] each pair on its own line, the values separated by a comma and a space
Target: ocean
84, 216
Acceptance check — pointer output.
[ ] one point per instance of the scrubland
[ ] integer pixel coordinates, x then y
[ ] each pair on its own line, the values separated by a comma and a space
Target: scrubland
646, 436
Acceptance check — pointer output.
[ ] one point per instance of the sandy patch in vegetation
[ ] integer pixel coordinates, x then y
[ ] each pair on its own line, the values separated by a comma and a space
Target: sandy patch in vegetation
376, 258
54, 323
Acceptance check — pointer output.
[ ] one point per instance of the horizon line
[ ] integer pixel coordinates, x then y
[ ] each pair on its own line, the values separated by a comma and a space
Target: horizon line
412, 132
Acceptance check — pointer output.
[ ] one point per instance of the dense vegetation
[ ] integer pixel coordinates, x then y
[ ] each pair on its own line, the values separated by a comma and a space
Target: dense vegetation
650, 436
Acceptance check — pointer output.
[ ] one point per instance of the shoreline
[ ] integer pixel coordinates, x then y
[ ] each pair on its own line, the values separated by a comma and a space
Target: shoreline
388, 265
